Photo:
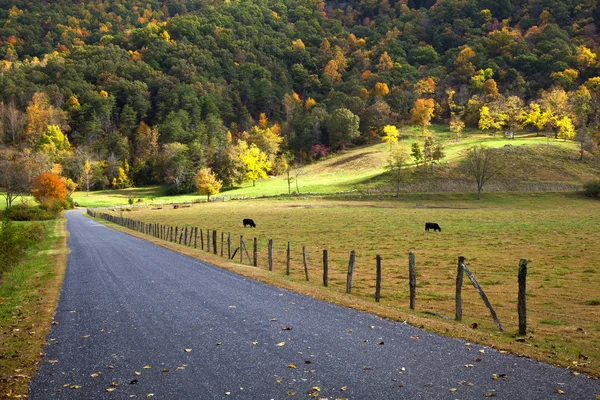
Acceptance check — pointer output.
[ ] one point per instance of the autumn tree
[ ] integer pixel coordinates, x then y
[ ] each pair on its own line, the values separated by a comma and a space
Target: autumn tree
48, 188
255, 161
87, 176
207, 183
421, 114
482, 164
40, 113
390, 135
12, 121
456, 126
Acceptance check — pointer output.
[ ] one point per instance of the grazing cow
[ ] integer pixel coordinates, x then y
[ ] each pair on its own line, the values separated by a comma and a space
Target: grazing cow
248, 221
432, 225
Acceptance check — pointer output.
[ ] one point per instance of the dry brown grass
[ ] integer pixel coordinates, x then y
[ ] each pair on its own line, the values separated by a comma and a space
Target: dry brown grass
558, 233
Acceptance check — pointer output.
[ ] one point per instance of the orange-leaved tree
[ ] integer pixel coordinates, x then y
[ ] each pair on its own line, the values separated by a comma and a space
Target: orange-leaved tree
48, 188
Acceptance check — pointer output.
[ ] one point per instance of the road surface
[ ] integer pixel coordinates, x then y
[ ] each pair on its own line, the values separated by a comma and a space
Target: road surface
136, 320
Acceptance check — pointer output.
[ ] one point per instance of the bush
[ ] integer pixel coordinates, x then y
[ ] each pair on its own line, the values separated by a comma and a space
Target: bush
15, 241
23, 212
592, 189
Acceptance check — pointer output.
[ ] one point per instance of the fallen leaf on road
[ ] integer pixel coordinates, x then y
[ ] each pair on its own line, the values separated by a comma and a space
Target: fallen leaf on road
280, 344
495, 377
344, 388
367, 367
453, 390
291, 393
96, 374
560, 391
273, 319
147, 367
380, 343
187, 350
292, 366
468, 365
165, 370
372, 326
75, 387
415, 337
110, 389
287, 328
86, 336
137, 373
149, 395
231, 306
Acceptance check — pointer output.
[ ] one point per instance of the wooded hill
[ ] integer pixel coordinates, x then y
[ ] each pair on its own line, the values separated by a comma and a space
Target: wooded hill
150, 92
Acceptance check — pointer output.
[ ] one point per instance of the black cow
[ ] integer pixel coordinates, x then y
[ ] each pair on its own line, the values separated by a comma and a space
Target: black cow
248, 221
432, 225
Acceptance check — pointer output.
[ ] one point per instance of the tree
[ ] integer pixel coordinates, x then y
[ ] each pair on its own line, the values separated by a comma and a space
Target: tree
12, 121
17, 170
565, 128
482, 164
40, 114
416, 153
47, 188
298, 171
343, 127
390, 135
421, 113
456, 125
256, 162
87, 176
396, 161
207, 183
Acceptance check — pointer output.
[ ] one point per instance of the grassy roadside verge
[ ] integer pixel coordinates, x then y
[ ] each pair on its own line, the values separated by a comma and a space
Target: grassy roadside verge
28, 296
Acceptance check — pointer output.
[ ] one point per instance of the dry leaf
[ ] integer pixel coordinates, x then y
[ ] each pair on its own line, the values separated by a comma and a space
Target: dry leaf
291, 393
147, 367
149, 395
344, 388
280, 344
187, 350
292, 366
415, 337
231, 306
560, 391
165, 370
86, 336
453, 390
495, 377
286, 328
137, 373
110, 389
96, 374
372, 326
75, 387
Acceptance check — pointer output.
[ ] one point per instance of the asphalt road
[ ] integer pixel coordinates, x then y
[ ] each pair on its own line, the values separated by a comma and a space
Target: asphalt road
136, 320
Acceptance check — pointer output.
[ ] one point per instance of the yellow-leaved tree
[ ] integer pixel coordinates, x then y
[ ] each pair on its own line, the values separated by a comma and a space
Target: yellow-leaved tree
255, 161
390, 135
207, 183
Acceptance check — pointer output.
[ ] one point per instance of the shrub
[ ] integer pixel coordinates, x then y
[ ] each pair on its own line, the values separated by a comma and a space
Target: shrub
23, 212
15, 241
48, 187
592, 188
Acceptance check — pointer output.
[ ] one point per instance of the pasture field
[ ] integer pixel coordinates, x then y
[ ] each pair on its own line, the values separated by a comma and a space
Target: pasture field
557, 232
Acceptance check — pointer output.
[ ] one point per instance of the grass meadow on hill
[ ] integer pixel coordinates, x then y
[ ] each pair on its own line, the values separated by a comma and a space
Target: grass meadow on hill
559, 233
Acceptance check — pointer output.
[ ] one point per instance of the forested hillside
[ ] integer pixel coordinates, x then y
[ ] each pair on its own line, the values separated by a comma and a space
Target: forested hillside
127, 92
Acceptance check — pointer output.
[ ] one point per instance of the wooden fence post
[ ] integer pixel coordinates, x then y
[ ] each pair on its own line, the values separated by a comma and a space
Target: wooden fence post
304, 261
483, 297
270, 255
185, 237
180, 235
208, 240
287, 257
378, 278
196, 237
325, 269
350, 272
255, 253
215, 242
202, 239
459, 282
241, 248
412, 279
522, 303
229, 245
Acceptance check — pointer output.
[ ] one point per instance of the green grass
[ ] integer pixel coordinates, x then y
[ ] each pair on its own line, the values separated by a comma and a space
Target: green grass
529, 159
557, 232
28, 295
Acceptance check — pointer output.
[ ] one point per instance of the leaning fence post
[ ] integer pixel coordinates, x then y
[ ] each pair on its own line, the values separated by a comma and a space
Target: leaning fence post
412, 279
304, 261
255, 253
325, 269
270, 256
215, 242
522, 306
483, 297
378, 278
459, 282
350, 272
287, 257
